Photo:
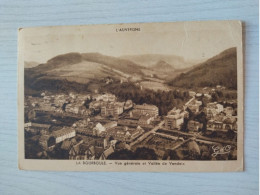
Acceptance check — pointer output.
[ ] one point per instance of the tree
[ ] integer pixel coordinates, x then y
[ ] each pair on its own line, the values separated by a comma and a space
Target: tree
145, 154
184, 126
202, 119
122, 155
214, 97
231, 134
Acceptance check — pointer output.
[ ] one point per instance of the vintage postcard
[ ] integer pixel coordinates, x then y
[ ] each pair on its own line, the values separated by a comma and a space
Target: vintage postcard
161, 97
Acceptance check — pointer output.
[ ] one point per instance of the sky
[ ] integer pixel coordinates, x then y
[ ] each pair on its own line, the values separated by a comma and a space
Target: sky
190, 40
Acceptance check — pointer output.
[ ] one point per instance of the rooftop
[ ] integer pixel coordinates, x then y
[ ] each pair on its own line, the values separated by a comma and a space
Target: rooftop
62, 132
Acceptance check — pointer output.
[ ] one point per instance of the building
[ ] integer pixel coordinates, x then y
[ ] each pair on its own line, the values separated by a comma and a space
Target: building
61, 135
175, 118
105, 97
212, 109
98, 129
31, 125
198, 95
145, 120
106, 153
110, 125
43, 141
218, 86
128, 104
192, 93
94, 152
214, 105
36, 127
79, 151
95, 105
113, 109
109, 97
132, 135
85, 151
230, 123
214, 125
228, 111
194, 126
207, 95
68, 144
145, 109
227, 123
128, 122
173, 122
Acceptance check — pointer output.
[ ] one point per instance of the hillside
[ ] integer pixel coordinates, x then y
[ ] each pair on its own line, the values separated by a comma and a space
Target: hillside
218, 70
82, 67
148, 60
162, 66
123, 65
72, 68
64, 60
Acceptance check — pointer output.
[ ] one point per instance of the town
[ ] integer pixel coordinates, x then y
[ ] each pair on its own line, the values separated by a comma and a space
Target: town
97, 126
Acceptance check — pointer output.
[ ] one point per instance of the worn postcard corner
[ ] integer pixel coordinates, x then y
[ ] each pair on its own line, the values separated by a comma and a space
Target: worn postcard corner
164, 97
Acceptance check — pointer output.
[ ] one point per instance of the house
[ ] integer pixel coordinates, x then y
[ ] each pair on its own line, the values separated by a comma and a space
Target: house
194, 125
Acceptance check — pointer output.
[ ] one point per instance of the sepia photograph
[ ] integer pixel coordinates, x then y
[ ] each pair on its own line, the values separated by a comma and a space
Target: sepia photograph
125, 97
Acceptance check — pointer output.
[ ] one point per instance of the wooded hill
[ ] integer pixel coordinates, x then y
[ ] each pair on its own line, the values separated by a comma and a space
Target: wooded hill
218, 70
